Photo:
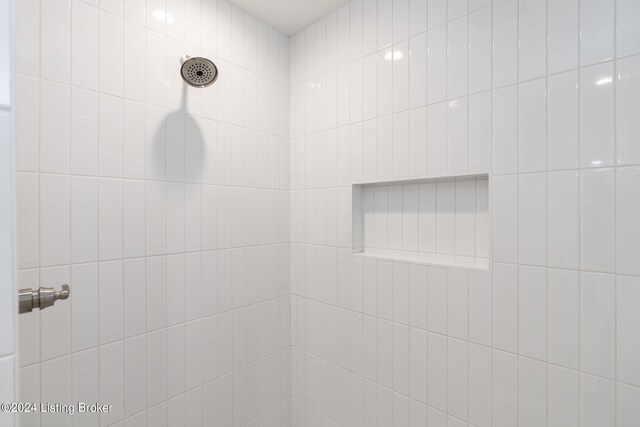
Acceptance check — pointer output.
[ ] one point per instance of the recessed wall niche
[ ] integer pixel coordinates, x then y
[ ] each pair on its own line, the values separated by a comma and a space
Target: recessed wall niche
437, 221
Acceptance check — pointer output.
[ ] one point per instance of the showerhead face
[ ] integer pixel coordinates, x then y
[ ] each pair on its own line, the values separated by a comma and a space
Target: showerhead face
198, 71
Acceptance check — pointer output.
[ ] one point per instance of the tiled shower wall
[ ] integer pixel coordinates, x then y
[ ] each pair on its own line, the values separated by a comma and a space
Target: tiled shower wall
165, 208
8, 326
545, 97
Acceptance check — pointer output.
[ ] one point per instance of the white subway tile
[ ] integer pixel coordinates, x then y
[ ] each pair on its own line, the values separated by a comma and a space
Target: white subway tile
55, 131
370, 86
563, 121
480, 307
445, 223
401, 372
562, 28
505, 213
596, 116
437, 371
427, 218
85, 382
55, 40
436, 13
417, 16
532, 392
597, 220
134, 285
483, 220
84, 40
133, 162
385, 147
458, 304
563, 214
597, 324
418, 68
457, 378
27, 130
369, 26
356, 26
436, 65
156, 293
458, 136
532, 312
84, 307
627, 108
84, 219
356, 91
597, 401
628, 345
480, 374
27, 220
505, 43
110, 297
54, 220
505, 307
627, 410
156, 366
394, 217
156, 68
563, 397
400, 59
84, 132
175, 289
27, 37
343, 34
385, 353
505, 389
370, 150
55, 383
480, 132
532, 43
400, 20
175, 217
437, 300
418, 161
111, 54
135, 375
627, 231
596, 31
134, 50
627, 38
505, 130
437, 139
532, 126
418, 365
465, 218
410, 217
110, 215
564, 317
110, 141
458, 58
480, 50
401, 144
532, 221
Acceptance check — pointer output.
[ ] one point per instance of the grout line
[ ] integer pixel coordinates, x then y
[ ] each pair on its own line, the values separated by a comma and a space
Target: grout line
616, 163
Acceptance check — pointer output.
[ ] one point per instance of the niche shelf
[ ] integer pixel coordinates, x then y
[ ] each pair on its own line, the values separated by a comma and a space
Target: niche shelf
441, 221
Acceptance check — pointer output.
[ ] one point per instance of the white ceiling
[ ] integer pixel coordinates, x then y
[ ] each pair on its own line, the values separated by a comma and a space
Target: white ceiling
289, 16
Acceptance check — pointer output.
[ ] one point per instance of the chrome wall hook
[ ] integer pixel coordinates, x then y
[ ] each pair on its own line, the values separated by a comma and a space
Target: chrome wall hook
42, 298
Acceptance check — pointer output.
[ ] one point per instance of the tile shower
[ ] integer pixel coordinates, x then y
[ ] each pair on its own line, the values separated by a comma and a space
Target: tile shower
538, 96
410, 213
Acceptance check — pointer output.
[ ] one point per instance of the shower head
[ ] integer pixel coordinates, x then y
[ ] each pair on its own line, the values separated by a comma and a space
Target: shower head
198, 71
